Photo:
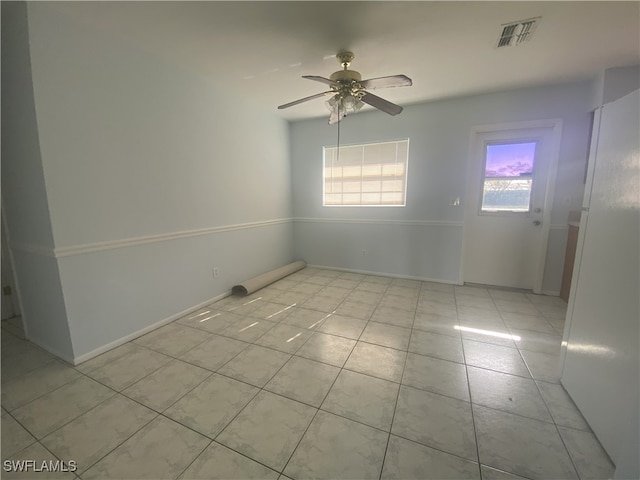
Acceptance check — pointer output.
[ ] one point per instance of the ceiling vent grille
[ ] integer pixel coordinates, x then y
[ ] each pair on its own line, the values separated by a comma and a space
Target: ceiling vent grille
515, 33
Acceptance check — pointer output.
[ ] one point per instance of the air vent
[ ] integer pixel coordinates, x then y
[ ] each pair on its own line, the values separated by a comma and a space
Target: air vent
515, 33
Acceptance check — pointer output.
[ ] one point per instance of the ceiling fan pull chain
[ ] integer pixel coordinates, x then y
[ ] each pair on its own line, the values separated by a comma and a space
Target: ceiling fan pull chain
338, 145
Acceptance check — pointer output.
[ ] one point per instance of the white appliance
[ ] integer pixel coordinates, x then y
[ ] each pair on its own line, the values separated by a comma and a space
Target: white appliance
601, 364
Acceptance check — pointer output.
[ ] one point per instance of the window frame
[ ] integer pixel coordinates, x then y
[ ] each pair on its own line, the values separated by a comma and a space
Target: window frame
360, 205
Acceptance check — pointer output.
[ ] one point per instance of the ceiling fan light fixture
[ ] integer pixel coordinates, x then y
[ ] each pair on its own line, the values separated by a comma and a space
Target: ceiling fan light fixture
353, 104
332, 103
347, 103
342, 105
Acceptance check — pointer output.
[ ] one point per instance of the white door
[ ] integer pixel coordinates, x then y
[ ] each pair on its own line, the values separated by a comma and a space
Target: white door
507, 203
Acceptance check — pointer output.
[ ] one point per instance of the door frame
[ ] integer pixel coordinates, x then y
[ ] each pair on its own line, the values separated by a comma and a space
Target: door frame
555, 125
8, 257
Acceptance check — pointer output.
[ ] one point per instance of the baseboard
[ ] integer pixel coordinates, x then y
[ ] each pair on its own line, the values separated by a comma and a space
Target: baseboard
384, 274
499, 287
52, 351
551, 293
378, 221
121, 341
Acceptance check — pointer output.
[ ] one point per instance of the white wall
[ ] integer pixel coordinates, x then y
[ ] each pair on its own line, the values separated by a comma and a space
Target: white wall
429, 228
153, 177
24, 197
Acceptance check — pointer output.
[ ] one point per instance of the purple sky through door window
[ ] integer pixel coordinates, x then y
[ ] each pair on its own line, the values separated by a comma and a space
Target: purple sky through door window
510, 160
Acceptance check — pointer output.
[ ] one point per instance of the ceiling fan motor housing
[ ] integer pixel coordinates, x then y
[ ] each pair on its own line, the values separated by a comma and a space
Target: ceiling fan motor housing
347, 82
346, 76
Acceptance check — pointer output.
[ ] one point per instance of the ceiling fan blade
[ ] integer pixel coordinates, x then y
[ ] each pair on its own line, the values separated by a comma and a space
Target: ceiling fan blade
319, 79
302, 100
385, 82
381, 104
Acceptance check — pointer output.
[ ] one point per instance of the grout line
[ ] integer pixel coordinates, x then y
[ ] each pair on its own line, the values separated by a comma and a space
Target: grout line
558, 430
395, 406
35, 439
473, 418
45, 393
64, 462
509, 474
195, 458
84, 470
512, 413
222, 445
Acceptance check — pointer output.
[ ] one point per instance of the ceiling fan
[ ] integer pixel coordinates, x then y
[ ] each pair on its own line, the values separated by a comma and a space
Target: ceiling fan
349, 92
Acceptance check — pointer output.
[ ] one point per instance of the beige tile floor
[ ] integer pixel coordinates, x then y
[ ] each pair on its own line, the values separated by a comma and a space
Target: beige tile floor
324, 374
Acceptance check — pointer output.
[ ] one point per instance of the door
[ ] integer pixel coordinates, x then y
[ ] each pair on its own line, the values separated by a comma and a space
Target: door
507, 204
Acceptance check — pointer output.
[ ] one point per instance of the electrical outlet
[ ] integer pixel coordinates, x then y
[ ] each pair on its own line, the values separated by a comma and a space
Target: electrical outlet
364, 252
216, 272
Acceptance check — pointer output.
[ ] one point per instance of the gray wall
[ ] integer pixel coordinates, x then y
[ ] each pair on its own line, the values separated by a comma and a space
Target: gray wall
25, 204
152, 175
424, 239
613, 83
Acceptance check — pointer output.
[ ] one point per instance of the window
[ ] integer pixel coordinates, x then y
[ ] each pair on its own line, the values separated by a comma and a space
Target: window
371, 174
508, 177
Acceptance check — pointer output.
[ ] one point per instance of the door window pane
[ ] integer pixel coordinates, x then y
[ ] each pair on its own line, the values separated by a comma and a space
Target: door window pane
508, 177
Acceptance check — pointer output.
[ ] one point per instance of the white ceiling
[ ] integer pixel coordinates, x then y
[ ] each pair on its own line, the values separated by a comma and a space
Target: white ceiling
261, 49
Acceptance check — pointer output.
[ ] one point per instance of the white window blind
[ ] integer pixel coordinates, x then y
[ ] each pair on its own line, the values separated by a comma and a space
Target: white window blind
370, 174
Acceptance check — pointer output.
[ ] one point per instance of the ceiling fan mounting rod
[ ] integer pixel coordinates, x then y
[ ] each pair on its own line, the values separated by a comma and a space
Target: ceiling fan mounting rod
345, 59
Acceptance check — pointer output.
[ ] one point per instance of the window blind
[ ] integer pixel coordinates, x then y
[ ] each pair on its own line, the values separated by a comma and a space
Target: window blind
369, 174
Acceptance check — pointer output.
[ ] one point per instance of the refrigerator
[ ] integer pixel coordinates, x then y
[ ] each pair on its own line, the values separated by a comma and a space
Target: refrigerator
600, 360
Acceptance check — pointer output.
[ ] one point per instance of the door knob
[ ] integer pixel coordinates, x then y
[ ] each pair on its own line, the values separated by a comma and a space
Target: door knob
537, 222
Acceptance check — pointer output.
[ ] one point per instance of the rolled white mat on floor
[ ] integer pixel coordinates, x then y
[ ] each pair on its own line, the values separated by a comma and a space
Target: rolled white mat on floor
256, 283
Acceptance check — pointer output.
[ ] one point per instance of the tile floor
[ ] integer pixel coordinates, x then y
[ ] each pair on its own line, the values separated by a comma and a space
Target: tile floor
324, 374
